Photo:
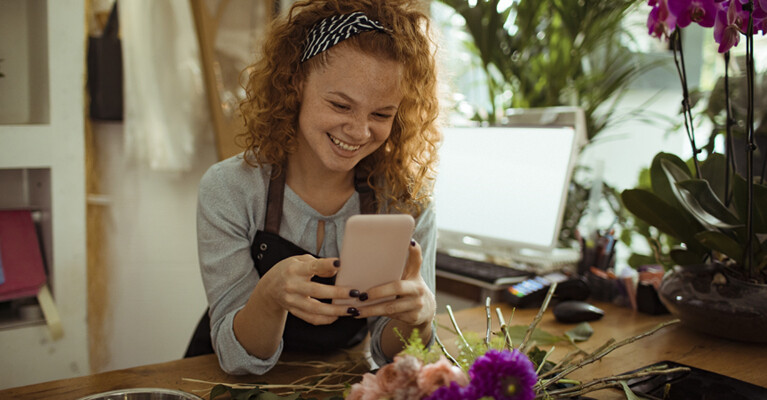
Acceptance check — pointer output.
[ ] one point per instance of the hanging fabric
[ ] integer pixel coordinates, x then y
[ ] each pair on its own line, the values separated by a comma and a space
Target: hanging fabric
165, 109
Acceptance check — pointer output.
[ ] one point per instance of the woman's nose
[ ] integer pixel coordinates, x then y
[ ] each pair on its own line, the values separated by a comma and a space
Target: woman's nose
357, 127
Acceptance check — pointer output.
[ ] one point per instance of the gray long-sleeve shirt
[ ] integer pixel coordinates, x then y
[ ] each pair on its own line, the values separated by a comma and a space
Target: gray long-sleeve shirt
231, 208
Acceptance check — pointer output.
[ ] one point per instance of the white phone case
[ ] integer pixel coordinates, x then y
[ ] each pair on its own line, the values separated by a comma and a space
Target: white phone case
374, 252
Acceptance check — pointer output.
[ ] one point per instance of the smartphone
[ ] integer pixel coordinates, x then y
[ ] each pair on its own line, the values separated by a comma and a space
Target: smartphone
374, 252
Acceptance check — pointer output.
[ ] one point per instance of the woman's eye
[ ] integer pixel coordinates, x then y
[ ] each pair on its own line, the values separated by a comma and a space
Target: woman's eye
340, 106
382, 115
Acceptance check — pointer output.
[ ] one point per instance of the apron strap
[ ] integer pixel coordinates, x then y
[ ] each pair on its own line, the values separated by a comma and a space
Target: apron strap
274, 200
368, 203
276, 193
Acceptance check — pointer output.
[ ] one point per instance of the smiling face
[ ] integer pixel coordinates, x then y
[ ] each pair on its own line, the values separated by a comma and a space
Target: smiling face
347, 109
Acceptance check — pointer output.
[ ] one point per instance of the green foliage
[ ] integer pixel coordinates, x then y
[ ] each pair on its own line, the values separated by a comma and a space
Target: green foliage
580, 333
415, 347
552, 53
695, 212
556, 53
716, 111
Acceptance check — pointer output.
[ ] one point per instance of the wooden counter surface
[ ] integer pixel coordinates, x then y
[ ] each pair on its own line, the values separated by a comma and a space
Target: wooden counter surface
675, 343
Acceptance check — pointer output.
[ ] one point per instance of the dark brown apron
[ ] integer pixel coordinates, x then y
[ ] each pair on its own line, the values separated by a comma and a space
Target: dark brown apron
267, 249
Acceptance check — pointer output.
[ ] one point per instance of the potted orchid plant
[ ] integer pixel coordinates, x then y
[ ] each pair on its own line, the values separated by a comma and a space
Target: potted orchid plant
715, 213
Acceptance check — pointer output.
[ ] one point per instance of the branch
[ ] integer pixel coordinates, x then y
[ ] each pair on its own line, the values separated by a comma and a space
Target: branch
604, 350
538, 317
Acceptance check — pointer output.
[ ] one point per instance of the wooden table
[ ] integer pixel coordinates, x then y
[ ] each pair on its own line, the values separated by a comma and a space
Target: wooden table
676, 343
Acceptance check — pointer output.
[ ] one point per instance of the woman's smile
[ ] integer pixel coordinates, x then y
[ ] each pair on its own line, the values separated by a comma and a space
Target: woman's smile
343, 145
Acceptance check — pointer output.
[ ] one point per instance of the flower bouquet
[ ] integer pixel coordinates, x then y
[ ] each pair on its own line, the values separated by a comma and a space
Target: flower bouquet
505, 363
493, 367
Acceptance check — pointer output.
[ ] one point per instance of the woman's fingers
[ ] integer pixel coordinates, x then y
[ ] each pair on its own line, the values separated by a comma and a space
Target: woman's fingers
299, 294
414, 260
414, 303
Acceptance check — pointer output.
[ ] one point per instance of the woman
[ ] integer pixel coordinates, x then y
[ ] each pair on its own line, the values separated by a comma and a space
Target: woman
341, 119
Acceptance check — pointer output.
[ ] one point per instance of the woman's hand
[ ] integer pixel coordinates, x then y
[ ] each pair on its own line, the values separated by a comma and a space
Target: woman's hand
414, 305
287, 287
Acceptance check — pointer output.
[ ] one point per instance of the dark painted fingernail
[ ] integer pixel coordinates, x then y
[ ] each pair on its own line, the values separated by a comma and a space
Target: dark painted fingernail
412, 242
363, 296
353, 311
354, 293
337, 263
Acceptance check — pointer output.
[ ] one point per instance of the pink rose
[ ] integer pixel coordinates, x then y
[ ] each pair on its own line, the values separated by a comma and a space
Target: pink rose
367, 389
399, 375
438, 374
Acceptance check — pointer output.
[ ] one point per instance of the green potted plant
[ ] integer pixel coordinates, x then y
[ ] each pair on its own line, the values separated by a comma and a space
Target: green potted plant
716, 215
554, 53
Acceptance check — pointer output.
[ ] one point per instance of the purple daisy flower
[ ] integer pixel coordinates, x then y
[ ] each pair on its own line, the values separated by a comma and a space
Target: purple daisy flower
507, 375
453, 392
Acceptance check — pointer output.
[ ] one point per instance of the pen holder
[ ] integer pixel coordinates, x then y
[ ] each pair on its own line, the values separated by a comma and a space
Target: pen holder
610, 290
648, 301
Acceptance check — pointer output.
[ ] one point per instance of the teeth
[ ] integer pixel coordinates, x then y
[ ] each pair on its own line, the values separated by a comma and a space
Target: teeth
343, 145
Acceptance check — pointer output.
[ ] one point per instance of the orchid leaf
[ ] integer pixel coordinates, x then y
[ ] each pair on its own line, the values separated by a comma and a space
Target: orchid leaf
683, 198
722, 243
705, 206
713, 170
662, 186
656, 212
740, 196
685, 257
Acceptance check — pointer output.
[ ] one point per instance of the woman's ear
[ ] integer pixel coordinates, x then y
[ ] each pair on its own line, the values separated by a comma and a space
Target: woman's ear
298, 83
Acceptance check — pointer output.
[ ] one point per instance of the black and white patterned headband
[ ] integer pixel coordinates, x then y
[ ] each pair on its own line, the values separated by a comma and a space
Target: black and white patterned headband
333, 30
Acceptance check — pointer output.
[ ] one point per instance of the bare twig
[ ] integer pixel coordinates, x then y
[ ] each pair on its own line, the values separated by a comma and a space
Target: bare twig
604, 350
457, 329
538, 317
504, 328
610, 381
489, 321
444, 350
564, 362
543, 361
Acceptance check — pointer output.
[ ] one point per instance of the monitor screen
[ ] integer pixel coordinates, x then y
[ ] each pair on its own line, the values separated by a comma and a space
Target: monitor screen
504, 188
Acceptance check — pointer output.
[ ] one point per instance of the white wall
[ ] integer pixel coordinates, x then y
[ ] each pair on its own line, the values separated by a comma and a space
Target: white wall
155, 291
47, 32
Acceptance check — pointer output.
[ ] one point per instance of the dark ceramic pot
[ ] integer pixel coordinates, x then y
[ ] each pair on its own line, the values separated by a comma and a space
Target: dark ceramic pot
708, 299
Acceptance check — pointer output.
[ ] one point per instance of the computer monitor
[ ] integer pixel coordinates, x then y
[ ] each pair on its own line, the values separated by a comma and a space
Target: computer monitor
502, 190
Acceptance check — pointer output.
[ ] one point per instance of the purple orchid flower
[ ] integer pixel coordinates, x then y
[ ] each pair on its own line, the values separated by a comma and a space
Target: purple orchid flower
730, 22
661, 22
702, 12
760, 17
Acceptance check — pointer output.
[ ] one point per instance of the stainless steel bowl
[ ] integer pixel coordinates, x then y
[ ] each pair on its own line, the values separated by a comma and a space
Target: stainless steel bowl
143, 394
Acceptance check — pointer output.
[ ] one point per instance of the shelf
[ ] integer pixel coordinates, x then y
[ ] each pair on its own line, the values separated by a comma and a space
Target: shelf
20, 313
27, 189
42, 169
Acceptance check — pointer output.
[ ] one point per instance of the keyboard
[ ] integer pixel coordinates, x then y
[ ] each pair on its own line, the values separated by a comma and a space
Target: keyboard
480, 270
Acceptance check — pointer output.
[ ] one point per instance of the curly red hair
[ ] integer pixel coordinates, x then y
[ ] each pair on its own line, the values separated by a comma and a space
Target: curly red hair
402, 170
